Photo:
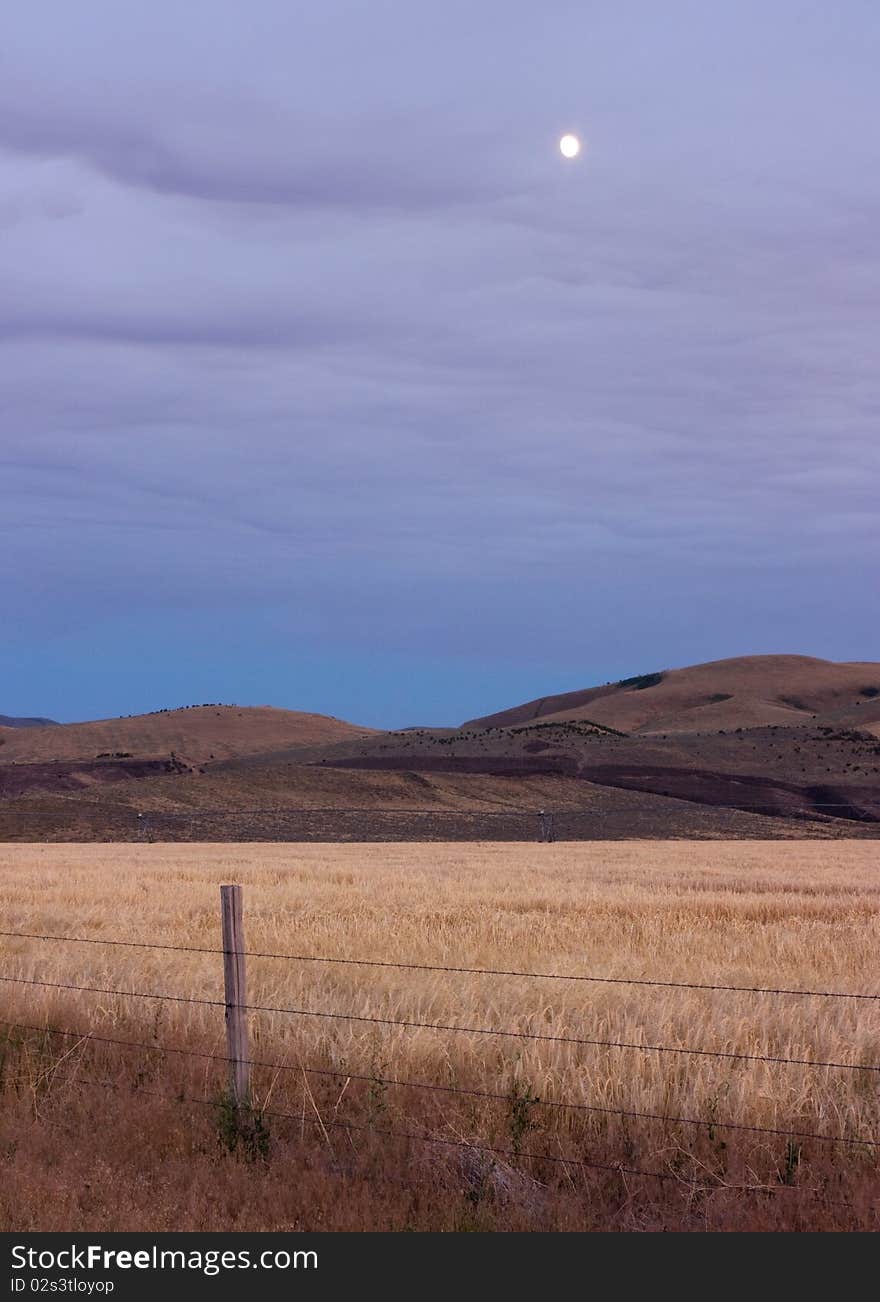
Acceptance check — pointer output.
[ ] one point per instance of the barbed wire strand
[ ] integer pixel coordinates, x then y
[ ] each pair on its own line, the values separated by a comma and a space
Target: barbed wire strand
442, 1026
440, 967
617, 1168
509, 811
341, 1073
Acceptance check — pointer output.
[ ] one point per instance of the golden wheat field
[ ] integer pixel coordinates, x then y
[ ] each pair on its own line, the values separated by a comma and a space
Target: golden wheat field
98, 1135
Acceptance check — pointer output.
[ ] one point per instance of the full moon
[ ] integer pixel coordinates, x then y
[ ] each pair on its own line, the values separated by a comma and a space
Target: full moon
569, 146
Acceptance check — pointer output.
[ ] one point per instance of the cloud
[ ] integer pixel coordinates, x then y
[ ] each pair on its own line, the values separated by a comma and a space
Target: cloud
308, 317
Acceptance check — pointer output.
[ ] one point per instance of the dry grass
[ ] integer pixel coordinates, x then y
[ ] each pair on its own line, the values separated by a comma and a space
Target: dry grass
746, 913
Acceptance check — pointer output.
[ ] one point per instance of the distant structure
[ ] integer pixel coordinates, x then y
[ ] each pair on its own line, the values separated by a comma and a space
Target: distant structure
545, 826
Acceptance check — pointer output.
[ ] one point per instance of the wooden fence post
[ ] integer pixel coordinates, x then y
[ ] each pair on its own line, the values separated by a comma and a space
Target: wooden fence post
234, 979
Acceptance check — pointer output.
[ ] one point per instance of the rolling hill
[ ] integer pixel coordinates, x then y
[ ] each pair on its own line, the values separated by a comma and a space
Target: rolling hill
745, 692
193, 735
753, 746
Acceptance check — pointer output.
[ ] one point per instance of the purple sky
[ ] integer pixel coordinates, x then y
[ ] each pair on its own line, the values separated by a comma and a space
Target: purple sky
325, 381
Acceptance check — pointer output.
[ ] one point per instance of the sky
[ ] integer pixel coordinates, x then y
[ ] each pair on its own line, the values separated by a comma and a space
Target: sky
326, 382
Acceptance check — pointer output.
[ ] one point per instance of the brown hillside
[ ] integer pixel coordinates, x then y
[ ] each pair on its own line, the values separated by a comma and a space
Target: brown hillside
195, 735
746, 692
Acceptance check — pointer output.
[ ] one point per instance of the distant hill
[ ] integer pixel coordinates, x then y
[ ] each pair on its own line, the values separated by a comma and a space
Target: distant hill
745, 692
772, 746
9, 721
194, 735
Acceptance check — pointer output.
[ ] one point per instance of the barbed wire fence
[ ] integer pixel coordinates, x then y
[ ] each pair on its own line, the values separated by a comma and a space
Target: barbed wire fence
606, 821
238, 1060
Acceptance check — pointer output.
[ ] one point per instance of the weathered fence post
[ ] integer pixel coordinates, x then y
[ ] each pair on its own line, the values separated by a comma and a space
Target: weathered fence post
234, 980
